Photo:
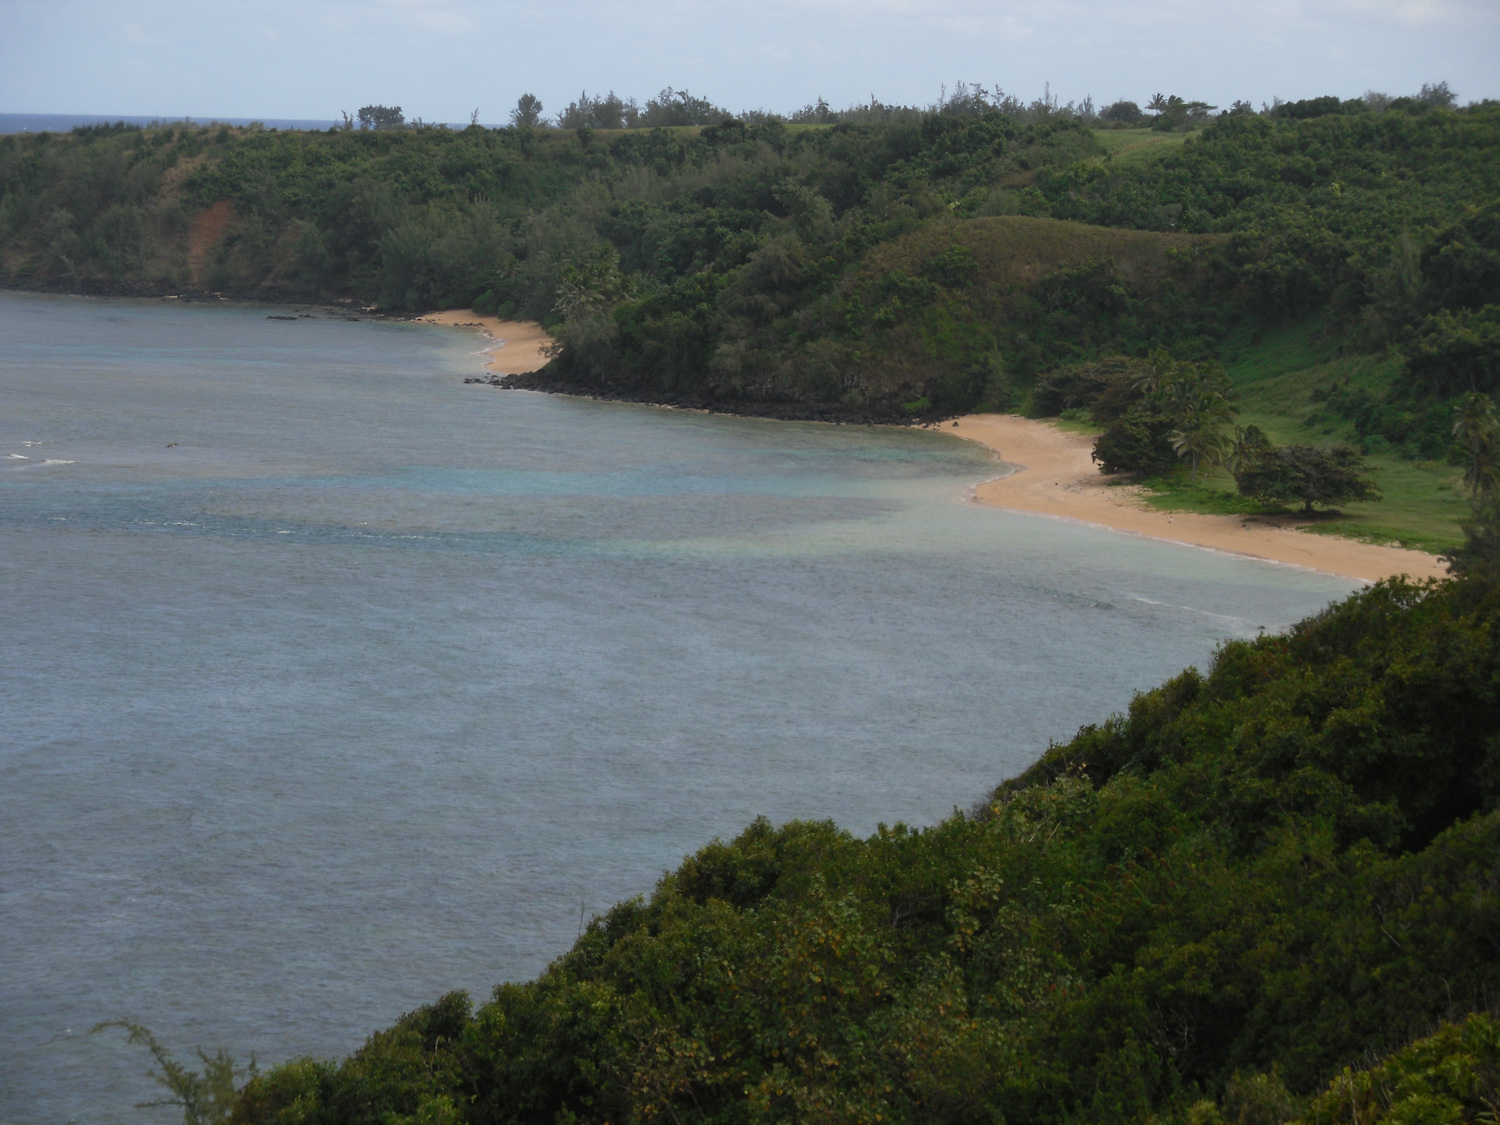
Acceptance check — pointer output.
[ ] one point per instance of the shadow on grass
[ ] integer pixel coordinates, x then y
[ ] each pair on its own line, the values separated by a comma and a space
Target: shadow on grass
1214, 496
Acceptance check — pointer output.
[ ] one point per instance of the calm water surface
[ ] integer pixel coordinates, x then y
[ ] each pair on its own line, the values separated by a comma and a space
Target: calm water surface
331, 683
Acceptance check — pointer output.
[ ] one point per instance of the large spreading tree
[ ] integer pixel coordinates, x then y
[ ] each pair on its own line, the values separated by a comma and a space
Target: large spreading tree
1308, 474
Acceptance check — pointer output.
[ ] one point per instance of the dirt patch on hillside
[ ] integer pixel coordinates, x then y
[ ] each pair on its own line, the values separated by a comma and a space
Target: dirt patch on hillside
207, 229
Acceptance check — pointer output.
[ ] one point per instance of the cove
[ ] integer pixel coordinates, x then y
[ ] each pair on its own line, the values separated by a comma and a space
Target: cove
332, 683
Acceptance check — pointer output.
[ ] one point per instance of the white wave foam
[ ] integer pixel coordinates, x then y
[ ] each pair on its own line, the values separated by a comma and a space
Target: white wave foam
1232, 620
18, 457
51, 461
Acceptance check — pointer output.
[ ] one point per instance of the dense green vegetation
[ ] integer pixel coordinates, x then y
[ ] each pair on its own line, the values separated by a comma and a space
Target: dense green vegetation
1341, 260
1227, 905
884, 263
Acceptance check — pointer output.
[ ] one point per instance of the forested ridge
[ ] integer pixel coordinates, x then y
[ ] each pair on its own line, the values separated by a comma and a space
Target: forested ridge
1270, 892
888, 264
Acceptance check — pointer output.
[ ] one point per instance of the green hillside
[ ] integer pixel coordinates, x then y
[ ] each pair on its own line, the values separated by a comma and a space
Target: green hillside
873, 265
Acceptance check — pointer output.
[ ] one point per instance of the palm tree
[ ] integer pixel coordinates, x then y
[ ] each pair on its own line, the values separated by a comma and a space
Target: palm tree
1157, 104
1157, 372
1200, 439
1474, 413
1478, 431
1199, 406
1251, 446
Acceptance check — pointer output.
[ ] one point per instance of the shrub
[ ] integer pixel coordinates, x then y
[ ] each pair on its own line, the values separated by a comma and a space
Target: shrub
1136, 443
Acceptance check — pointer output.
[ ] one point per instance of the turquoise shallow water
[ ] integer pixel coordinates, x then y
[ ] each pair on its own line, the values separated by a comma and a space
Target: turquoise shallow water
331, 683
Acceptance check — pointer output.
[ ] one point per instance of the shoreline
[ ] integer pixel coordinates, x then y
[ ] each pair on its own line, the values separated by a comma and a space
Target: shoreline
519, 346
1056, 476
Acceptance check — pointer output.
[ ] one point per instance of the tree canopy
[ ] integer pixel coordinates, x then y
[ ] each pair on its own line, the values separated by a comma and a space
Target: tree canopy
381, 117
1306, 474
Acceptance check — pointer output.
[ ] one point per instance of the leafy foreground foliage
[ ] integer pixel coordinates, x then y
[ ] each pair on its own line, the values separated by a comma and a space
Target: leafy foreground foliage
1451, 1077
1208, 909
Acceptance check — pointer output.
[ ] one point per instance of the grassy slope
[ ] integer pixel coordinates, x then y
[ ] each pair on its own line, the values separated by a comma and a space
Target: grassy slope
1130, 147
1276, 375
1010, 255
1017, 250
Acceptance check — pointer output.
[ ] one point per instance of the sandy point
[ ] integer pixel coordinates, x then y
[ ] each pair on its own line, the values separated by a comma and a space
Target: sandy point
1055, 476
521, 346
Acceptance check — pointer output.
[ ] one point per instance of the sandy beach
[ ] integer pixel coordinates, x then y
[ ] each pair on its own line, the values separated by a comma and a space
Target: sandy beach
520, 345
1057, 478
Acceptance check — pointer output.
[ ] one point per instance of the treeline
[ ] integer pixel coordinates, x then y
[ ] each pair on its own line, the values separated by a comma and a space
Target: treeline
898, 265
1166, 112
1269, 893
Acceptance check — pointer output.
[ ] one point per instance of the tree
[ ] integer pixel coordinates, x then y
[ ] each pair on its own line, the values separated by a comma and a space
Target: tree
1455, 350
591, 287
1197, 400
1437, 95
1311, 474
599, 112
1200, 440
1250, 446
528, 111
1136, 442
1123, 112
206, 1098
1175, 113
1478, 431
1171, 411
1479, 556
381, 117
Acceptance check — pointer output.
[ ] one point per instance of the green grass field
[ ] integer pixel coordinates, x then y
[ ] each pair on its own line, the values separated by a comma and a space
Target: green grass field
1136, 146
1276, 375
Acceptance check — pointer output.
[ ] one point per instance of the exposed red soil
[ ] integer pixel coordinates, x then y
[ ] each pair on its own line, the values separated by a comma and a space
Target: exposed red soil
207, 229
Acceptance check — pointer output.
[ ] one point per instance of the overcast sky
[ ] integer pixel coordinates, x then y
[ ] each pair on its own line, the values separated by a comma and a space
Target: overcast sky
440, 59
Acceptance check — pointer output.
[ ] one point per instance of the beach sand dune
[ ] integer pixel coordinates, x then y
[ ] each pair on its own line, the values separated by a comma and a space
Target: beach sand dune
521, 346
1057, 477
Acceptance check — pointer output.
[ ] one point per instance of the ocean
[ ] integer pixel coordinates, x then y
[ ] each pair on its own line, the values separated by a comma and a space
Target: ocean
332, 683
